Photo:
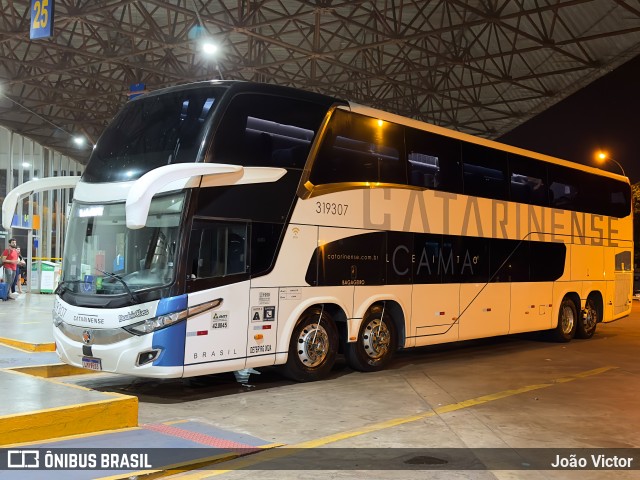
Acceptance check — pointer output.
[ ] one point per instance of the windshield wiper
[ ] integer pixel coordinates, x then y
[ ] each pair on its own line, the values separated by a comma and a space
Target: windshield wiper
62, 286
133, 298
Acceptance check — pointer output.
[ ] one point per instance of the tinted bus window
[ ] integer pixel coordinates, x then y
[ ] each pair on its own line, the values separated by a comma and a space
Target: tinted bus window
264, 243
358, 148
267, 131
603, 195
399, 258
434, 161
547, 261
509, 260
427, 249
563, 188
484, 172
617, 196
464, 259
583, 192
153, 131
217, 249
528, 181
356, 260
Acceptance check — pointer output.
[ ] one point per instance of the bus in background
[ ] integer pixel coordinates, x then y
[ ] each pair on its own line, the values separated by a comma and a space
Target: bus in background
222, 226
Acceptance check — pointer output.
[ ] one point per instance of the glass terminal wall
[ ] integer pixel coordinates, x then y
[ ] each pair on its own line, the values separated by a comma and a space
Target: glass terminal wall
21, 160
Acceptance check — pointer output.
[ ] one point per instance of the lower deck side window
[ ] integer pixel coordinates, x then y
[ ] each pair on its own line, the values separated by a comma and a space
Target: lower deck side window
217, 249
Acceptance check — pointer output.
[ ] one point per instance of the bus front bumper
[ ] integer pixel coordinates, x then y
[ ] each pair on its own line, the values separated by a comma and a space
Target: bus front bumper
123, 357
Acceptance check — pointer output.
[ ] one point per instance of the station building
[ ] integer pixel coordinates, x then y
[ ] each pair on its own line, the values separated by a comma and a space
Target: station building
39, 223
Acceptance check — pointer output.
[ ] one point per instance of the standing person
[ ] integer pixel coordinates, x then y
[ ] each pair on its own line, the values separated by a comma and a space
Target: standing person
17, 279
9, 262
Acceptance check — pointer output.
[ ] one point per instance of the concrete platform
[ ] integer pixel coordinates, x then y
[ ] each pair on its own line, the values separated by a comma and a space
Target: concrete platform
34, 408
16, 357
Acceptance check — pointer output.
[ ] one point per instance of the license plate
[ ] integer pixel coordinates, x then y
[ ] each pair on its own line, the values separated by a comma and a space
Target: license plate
92, 363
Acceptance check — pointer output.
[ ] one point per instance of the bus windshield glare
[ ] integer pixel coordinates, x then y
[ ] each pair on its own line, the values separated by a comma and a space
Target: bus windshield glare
151, 132
139, 259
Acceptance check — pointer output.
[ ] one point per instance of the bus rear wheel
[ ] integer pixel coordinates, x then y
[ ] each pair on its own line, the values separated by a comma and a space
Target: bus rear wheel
376, 342
313, 347
588, 320
567, 322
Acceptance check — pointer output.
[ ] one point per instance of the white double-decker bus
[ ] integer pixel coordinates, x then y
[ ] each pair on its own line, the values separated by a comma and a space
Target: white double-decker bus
222, 226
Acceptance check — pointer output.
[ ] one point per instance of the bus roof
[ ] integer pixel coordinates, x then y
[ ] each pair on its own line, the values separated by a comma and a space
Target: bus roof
238, 86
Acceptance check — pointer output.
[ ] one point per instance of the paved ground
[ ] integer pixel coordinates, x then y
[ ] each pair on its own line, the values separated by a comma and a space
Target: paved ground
509, 392
27, 318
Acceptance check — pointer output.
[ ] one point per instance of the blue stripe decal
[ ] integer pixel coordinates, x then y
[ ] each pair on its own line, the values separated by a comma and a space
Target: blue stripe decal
171, 341
171, 304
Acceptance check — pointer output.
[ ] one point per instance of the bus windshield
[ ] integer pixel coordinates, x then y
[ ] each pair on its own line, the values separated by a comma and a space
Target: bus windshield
102, 256
151, 132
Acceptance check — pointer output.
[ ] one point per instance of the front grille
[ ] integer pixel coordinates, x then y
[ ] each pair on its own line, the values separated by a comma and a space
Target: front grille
102, 336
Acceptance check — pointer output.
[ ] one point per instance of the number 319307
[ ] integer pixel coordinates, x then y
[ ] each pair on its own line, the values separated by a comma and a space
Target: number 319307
329, 208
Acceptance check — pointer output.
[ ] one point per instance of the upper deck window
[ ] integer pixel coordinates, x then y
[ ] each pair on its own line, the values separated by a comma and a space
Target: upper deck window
358, 148
484, 172
583, 192
434, 161
151, 132
528, 181
267, 131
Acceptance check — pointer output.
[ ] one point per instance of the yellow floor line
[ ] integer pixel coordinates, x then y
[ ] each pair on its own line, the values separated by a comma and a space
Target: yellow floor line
28, 347
53, 370
276, 453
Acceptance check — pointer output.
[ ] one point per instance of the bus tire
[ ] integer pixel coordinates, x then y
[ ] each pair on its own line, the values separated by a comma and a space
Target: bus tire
376, 342
567, 322
313, 347
588, 320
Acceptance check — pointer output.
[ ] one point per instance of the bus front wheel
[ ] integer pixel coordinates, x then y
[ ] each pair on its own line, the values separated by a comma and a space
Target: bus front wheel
313, 347
376, 342
567, 322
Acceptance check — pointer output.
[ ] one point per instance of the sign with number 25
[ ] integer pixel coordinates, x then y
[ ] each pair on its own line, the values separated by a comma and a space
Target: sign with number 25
41, 19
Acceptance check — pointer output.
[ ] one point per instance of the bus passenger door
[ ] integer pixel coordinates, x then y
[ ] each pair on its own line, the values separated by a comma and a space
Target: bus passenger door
262, 327
218, 285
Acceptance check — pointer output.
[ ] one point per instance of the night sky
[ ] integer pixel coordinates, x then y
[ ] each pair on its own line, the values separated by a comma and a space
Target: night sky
603, 115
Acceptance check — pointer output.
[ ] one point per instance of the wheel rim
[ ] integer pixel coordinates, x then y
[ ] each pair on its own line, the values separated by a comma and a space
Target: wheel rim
376, 339
590, 317
567, 319
313, 345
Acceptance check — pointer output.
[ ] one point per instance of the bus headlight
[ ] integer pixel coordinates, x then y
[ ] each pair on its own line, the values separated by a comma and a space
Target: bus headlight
57, 319
156, 323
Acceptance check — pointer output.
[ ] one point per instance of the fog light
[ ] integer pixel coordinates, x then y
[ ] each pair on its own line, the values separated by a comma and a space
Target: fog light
146, 357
